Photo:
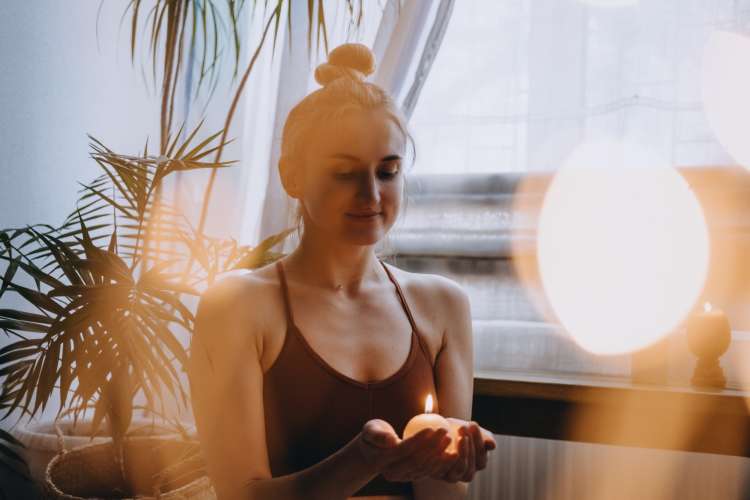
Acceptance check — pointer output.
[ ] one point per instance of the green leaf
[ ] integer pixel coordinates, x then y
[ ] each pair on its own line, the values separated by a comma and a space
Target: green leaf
109, 200
39, 275
19, 344
15, 355
38, 299
23, 326
48, 376
25, 316
67, 371
10, 272
18, 366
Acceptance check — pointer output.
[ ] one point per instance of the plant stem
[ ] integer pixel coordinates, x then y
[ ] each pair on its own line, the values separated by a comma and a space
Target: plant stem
228, 122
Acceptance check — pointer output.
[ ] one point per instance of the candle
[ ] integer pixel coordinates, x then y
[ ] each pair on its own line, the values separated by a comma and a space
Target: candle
429, 420
708, 332
708, 336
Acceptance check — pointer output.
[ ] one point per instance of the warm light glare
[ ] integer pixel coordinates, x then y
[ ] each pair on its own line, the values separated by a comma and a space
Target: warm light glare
428, 404
726, 100
622, 247
707, 307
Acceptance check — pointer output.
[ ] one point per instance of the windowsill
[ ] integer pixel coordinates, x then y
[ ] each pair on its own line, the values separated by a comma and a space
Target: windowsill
557, 383
611, 410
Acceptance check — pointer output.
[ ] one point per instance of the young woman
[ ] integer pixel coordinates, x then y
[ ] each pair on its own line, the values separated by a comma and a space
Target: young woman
304, 373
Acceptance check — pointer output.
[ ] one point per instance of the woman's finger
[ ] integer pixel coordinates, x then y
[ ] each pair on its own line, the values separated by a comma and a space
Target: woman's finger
416, 465
480, 453
488, 439
433, 459
459, 467
416, 454
409, 446
471, 457
447, 461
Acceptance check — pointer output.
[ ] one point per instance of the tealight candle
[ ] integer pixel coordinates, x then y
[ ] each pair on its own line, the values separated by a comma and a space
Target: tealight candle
429, 420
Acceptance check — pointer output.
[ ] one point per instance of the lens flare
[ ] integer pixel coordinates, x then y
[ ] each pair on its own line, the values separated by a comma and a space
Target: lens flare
622, 247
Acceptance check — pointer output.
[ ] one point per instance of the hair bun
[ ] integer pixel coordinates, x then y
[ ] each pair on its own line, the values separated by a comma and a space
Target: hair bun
353, 60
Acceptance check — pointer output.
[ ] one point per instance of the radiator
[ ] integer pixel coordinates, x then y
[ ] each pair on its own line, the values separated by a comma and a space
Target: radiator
540, 469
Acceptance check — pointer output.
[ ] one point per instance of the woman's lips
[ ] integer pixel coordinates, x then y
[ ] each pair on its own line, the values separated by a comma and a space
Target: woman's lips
365, 216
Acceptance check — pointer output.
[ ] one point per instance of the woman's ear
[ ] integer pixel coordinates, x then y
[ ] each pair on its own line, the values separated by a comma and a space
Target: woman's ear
290, 178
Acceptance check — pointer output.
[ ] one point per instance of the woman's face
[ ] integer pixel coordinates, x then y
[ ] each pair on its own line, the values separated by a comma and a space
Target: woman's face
351, 182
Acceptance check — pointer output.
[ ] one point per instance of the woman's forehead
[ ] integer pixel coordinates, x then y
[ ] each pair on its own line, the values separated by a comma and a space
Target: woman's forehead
367, 135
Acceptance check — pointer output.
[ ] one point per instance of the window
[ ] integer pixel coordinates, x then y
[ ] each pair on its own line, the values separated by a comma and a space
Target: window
517, 84
514, 88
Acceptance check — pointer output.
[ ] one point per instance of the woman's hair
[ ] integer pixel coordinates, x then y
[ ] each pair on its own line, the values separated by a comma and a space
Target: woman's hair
343, 89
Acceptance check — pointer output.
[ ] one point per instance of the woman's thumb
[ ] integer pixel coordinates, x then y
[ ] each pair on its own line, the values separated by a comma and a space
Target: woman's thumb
379, 434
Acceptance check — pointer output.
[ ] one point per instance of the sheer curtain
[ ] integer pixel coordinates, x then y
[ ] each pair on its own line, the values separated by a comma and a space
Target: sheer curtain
395, 30
517, 84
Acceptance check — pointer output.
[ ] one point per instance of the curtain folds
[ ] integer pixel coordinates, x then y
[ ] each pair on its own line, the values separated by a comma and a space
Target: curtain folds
405, 37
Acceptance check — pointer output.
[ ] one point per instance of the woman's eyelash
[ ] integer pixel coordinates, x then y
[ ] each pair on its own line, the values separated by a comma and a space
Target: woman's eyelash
389, 174
386, 174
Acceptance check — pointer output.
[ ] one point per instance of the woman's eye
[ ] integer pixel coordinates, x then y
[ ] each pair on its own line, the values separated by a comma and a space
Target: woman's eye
388, 174
385, 173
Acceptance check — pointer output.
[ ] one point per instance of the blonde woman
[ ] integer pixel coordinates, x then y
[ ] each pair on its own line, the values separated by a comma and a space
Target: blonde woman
304, 373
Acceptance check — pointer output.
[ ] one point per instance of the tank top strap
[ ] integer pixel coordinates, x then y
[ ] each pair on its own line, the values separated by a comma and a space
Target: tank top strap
285, 295
401, 297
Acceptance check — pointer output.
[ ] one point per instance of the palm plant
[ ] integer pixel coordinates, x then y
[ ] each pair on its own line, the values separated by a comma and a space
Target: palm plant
109, 284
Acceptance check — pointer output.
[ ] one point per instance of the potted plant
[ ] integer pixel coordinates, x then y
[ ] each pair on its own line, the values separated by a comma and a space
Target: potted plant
102, 333
108, 288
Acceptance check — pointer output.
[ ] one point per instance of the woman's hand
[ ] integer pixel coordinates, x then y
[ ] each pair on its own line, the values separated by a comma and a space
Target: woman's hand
421, 455
472, 447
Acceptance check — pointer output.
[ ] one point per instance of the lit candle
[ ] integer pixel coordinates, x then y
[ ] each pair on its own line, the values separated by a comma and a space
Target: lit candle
708, 335
429, 420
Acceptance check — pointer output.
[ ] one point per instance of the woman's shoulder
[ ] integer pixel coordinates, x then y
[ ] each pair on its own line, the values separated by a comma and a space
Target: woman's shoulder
236, 287
252, 298
437, 289
439, 303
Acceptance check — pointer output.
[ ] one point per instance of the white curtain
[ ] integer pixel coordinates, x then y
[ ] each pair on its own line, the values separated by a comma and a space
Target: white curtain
396, 31
518, 84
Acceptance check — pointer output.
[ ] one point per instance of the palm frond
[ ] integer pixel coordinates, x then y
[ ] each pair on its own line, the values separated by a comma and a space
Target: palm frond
10, 459
96, 322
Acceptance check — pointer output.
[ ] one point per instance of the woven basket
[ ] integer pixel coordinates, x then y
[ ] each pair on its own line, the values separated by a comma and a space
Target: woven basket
154, 467
41, 442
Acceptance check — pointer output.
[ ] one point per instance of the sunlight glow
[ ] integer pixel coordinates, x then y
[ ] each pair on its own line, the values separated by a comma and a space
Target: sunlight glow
622, 247
724, 91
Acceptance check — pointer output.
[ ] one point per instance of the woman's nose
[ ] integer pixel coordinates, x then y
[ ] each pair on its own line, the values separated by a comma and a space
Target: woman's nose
368, 189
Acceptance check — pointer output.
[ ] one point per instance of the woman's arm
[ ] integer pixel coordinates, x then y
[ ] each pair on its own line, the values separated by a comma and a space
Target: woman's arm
226, 383
454, 378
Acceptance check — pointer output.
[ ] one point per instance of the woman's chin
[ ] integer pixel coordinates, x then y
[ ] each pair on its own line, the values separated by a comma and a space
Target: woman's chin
364, 237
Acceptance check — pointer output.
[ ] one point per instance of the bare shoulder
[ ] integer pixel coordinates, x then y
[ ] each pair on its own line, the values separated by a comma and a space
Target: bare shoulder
236, 293
439, 304
431, 289
241, 306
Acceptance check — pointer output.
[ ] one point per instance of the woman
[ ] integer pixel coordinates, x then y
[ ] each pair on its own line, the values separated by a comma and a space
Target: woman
304, 373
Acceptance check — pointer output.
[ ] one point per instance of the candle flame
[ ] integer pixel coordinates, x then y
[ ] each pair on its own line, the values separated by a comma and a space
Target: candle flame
707, 307
428, 404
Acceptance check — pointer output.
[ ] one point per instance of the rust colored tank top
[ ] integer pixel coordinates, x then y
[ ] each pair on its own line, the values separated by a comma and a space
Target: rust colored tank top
312, 410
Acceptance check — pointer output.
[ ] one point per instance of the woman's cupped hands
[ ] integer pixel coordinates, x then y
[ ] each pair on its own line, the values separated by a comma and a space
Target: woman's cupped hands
428, 453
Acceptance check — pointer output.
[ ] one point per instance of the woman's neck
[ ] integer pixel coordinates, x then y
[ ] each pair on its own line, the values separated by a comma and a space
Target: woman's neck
346, 268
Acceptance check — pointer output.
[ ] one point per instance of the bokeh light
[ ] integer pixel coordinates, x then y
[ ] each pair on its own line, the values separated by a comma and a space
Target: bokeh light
622, 247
